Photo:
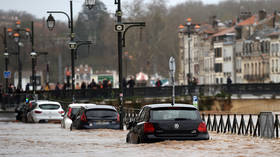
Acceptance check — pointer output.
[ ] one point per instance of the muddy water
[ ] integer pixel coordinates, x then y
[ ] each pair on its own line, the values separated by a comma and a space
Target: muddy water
47, 140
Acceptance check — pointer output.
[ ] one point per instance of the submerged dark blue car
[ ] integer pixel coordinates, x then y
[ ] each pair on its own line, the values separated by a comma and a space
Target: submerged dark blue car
97, 117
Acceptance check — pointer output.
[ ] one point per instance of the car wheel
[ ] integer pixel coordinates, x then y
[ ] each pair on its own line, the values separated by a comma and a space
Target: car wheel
138, 140
127, 139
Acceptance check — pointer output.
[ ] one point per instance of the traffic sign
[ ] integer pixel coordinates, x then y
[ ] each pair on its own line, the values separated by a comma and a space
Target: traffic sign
7, 74
195, 101
119, 27
72, 45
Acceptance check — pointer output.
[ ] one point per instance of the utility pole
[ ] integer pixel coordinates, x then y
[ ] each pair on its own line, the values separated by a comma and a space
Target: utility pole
119, 21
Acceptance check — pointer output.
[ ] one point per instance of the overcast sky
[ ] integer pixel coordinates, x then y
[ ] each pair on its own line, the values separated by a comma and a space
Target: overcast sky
39, 7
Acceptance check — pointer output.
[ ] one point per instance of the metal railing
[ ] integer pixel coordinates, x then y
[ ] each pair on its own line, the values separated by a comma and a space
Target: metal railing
207, 90
239, 124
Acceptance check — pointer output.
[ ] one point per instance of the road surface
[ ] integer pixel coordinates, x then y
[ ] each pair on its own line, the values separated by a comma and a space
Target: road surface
49, 140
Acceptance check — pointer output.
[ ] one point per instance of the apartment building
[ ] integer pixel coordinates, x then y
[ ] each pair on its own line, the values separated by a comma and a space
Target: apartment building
246, 50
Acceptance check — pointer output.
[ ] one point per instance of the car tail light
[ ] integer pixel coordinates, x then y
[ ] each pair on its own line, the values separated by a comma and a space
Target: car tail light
149, 128
38, 112
118, 117
83, 117
69, 112
60, 112
202, 127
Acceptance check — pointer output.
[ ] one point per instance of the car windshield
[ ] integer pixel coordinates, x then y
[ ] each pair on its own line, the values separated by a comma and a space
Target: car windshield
49, 106
174, 114
101, 113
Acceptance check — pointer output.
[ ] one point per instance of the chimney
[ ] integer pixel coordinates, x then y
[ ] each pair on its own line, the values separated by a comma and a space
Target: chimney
274, 19
262, 14
213, 21
238, 32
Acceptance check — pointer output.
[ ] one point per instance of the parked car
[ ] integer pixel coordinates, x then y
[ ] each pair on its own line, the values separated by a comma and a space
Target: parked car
158, 122
44, 111
97, 117
72, 110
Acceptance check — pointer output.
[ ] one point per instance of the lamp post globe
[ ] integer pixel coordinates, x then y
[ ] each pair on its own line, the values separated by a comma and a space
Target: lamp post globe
10, 32
90, 3
50, 22
33, 54
27, 32
16, 37
18, 24
189, 21
6, 54
197, 27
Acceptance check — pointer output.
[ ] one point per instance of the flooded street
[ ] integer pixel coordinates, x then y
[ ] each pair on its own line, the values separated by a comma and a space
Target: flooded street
47, 140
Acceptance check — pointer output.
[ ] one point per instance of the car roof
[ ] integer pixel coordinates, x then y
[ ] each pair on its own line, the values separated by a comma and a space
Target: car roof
78, 105
101, 107
169, 105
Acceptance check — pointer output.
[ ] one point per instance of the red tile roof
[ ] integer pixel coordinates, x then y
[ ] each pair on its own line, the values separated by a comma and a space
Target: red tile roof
249, 21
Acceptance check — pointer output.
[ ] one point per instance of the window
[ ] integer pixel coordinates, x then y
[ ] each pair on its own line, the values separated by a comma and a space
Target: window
49, 106
276, 62
101, 113
272, 68
218, 67
218, 52
173, 114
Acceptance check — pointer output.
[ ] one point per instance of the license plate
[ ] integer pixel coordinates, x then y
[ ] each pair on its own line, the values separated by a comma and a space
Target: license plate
102, 123
90, 124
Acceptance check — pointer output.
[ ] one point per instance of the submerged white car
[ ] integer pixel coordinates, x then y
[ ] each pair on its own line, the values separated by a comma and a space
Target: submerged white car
72, 110
44, 111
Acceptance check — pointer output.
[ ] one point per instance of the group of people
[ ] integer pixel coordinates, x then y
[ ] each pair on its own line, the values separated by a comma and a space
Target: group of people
128, 84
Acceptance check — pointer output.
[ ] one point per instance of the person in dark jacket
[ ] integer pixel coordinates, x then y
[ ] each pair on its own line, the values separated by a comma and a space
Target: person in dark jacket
158, 83
131, 83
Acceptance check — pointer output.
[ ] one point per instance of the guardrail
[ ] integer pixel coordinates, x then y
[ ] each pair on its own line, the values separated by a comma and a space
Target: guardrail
206, 90
241, 124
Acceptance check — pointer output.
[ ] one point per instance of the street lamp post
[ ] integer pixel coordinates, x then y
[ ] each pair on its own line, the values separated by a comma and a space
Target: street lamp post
189, 49
17, 37
72, 44
6, 55
119, 21
121, 31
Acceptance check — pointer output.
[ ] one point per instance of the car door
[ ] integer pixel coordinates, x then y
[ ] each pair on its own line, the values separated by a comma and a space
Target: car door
137, 130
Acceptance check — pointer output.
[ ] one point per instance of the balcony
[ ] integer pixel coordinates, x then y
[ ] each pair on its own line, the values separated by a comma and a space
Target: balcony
256, 77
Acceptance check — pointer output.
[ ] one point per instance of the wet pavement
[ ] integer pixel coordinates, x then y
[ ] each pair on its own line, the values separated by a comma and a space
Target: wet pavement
47, 140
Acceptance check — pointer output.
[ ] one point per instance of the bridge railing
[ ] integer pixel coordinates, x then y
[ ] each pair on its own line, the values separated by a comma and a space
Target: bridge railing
207, 90
241, 124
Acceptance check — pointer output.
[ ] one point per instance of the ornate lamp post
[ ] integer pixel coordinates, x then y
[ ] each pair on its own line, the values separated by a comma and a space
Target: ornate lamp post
16, 34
